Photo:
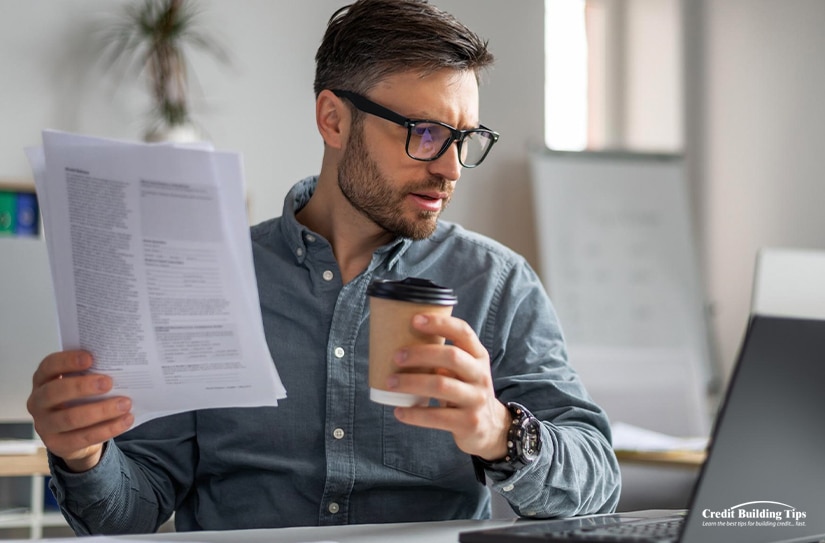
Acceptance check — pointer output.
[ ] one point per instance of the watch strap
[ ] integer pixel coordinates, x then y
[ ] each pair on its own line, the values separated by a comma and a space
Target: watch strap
515, 459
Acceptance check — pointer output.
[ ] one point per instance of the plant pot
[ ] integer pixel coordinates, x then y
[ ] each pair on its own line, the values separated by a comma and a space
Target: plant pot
179, 133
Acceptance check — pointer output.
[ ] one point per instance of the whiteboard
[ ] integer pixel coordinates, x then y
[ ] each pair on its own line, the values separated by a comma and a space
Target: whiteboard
618, 259
28, 321
789, 283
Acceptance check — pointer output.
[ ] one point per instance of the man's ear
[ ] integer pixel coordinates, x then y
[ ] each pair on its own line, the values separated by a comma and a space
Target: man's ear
333, 119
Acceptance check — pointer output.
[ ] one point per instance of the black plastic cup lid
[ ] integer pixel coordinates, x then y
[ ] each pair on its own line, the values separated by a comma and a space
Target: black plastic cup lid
412, 289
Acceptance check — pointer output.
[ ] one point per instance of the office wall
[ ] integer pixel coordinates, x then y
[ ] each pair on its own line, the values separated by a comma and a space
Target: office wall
262, 105
756, 128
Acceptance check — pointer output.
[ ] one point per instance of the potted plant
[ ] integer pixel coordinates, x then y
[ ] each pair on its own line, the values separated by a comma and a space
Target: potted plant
154, 35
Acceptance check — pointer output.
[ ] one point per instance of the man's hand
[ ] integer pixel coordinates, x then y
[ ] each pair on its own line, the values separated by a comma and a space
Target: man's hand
70, 428
460, 380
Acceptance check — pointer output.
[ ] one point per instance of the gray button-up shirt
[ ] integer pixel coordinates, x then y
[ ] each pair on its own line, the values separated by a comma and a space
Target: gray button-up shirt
327, 454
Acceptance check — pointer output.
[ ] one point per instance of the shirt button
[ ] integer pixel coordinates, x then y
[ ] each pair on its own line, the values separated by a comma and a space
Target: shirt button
508, 488
299, 251
333, 508
338, 433
310, 238
339, 352
328, 275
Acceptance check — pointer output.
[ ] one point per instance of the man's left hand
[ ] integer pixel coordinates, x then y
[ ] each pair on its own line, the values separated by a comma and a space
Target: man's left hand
460, 379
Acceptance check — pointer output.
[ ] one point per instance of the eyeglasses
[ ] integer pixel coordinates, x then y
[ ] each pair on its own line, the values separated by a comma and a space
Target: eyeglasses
428, 140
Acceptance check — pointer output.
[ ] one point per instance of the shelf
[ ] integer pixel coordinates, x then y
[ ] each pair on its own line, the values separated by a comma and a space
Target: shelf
20, 518
32, 518
22, 465
53, 518
16, 185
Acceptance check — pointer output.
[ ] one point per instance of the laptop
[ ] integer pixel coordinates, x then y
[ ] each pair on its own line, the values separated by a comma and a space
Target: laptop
764, 477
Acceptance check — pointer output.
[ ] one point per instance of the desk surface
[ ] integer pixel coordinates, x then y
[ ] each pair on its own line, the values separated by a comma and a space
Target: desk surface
689, 459
37, 464
429, 532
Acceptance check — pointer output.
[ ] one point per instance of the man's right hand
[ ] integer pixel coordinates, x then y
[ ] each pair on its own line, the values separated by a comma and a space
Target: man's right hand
71, 427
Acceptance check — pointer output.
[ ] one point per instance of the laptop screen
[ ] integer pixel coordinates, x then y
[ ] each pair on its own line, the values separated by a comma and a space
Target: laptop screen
764, 480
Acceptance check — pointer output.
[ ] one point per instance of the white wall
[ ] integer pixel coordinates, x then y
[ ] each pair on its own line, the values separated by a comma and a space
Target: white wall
756, 134
653, 76
263, 105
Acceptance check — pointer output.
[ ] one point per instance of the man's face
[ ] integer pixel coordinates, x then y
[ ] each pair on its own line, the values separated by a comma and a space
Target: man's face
403, 196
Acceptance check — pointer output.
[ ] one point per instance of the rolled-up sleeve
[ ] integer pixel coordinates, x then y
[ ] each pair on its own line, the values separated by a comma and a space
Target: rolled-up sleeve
141, 477
576, 471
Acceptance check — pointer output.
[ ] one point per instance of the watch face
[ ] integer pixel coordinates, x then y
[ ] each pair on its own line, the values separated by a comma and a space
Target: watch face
525, 441
530, 439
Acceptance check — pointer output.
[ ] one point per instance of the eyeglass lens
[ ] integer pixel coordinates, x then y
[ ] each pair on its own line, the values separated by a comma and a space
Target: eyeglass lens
428, 140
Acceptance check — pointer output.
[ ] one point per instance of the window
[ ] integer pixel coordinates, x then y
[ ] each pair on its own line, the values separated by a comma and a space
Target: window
565, 45
613, 75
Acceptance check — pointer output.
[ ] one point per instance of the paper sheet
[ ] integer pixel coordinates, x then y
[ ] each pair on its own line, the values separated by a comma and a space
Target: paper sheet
627, 437
152, 268
19, 446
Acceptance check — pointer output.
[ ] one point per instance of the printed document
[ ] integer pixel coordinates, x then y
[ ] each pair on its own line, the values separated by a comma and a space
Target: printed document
151, 262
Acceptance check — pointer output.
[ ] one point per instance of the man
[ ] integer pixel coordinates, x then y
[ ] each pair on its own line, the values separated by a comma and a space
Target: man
397, 107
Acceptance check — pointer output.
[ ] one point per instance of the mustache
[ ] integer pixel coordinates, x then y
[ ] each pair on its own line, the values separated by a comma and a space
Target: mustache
433, 183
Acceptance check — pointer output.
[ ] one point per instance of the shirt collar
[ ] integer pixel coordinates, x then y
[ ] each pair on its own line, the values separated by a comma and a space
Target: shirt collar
298, 235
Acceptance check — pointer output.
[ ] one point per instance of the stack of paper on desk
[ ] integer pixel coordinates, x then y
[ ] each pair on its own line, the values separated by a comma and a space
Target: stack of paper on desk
627, 437
19, 446
151, 262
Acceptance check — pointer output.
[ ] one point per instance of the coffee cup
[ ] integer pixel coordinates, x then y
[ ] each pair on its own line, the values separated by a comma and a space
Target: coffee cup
392, 307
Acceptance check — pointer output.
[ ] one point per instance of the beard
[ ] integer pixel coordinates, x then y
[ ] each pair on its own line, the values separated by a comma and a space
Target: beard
374, 196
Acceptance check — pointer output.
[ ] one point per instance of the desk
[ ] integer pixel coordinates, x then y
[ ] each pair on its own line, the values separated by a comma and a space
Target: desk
658, 480
688, 459
413, 532
37, 464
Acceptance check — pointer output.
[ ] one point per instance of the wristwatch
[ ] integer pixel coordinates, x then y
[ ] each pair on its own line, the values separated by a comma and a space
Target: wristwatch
523, 442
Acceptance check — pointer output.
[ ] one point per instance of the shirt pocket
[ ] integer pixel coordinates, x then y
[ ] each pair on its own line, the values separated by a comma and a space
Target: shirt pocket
423, 452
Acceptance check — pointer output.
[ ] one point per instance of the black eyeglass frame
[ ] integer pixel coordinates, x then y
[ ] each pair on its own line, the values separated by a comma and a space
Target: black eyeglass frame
366, 105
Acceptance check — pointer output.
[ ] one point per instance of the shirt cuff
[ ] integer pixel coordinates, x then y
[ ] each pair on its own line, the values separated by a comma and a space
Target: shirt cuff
85, 488
521, 486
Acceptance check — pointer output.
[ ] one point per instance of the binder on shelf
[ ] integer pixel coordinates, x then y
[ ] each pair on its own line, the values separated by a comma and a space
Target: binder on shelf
19, 213
28, 214
49, 501
8, 212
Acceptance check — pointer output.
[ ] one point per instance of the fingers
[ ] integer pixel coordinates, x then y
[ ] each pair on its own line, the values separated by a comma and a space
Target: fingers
458, 375
454, 329
445, 388
67, 416
82, 416
87, 427
466, 359
432, 417
57, 381
57, 364
480, 429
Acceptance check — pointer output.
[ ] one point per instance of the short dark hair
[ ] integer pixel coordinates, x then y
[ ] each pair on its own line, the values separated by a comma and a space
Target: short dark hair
371, 39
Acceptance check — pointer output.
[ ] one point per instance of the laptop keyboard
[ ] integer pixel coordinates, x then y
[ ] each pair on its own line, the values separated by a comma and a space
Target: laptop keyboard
647, 531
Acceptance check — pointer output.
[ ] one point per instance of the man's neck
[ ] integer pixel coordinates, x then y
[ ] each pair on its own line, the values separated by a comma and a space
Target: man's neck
354, 238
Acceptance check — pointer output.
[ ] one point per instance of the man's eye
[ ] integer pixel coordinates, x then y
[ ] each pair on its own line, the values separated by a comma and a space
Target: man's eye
423, 131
